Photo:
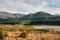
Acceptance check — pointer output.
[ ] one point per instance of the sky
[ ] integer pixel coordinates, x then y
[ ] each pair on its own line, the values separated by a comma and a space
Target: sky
30, 6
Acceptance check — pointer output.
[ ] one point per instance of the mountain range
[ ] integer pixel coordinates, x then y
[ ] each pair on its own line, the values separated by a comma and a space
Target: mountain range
32, 18
37, 15
10, 15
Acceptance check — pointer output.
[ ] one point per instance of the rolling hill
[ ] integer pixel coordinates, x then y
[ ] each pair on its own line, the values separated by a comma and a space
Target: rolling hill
31, 19
38, 15
10, 15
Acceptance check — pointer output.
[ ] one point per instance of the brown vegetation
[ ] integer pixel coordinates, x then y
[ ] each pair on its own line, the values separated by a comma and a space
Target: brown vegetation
20, 32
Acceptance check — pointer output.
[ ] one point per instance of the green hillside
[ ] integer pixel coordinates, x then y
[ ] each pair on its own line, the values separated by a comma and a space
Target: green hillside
37, 16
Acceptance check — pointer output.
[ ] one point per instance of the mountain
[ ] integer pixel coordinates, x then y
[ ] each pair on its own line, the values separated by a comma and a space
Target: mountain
18, 15
41, 18
10, 15
6, 15
9, 18
33, 18
37, 15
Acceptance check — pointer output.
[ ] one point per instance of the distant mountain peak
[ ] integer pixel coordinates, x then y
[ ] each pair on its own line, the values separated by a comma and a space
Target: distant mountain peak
37, 15
10, 15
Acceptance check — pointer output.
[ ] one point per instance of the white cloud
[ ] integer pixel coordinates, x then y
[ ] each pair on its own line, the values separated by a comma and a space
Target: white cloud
28, 6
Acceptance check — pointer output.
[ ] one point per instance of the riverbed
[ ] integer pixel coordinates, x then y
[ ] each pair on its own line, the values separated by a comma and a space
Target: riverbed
57, 28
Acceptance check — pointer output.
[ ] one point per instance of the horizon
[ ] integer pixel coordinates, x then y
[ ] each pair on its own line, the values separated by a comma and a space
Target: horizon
26, 13
30, 6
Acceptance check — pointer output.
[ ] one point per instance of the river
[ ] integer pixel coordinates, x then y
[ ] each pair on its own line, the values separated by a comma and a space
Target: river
57, 28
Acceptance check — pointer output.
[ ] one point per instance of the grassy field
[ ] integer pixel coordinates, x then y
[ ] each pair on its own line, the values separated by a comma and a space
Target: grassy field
21, 32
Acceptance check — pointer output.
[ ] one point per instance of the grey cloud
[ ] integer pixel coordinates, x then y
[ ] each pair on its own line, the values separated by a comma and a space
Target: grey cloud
26, 5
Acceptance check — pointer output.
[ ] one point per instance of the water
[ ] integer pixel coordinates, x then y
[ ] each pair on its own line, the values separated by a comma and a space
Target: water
50, 27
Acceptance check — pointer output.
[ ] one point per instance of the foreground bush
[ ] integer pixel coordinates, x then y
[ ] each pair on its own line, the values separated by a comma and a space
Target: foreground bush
23, 35
1, 35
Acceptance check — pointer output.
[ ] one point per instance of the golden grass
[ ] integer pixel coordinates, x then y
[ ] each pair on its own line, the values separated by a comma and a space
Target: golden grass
13, 32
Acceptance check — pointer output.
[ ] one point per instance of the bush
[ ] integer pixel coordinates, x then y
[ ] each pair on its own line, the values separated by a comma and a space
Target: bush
23, 35
1, 35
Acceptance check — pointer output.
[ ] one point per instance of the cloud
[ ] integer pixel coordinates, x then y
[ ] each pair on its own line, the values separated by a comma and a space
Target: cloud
54, 3
30, 6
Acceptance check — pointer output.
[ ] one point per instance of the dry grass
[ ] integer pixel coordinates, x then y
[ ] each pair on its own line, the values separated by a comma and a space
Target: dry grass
13, 32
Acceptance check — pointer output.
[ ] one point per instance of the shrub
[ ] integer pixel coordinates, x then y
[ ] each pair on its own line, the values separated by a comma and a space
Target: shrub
1, 35
23, 35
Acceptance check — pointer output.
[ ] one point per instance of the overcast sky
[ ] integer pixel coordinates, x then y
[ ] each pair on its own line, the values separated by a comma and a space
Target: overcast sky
30, 6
